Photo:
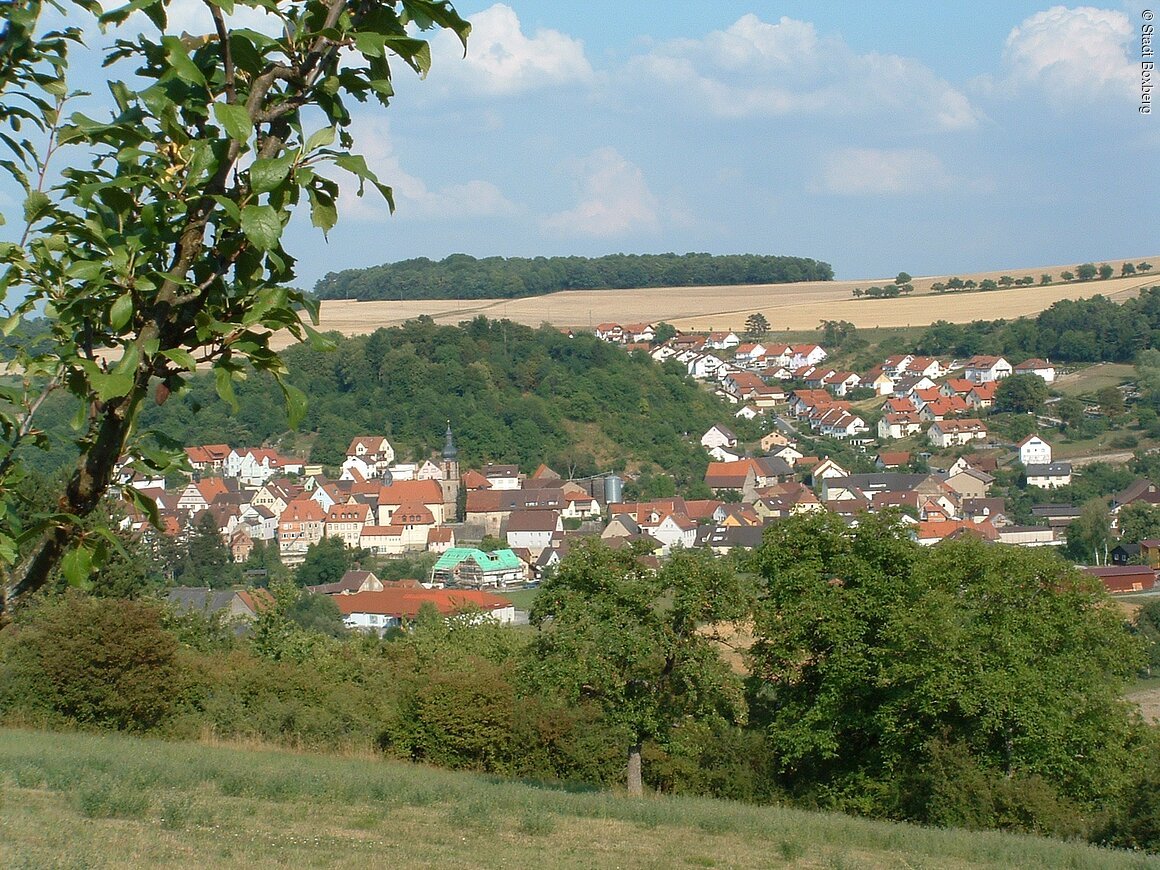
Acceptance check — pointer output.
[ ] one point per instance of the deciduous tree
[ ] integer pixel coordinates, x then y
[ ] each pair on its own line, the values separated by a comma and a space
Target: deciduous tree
160, 248
637, 641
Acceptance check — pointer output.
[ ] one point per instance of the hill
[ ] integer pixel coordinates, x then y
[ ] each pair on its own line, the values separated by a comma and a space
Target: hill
512, 393
464, 277
787, 306
111, 800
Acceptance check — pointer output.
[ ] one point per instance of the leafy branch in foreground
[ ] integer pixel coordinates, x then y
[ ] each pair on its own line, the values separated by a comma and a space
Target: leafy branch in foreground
160, 247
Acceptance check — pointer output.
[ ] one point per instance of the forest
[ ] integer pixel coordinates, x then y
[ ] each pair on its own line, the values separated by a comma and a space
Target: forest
461, 276
513, 394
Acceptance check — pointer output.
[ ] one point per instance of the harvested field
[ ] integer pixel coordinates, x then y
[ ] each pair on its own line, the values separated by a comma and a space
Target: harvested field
787, 306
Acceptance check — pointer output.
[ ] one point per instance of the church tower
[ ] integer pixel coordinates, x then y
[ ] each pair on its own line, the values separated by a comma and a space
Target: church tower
450, 467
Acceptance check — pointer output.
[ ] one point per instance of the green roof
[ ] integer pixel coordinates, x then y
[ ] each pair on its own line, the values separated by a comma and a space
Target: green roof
500, 560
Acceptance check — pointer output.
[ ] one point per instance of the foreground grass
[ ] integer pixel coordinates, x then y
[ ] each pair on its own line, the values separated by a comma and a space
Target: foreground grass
111, 801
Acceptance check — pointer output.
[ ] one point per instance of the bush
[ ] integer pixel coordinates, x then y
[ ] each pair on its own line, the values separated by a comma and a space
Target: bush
93, 662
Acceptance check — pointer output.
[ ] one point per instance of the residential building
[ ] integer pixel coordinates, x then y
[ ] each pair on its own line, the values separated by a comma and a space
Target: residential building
981, 369
1033, 450
471, 567
956, 433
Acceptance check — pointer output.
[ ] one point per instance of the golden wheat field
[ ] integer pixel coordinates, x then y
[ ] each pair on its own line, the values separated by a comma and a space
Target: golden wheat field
787, 306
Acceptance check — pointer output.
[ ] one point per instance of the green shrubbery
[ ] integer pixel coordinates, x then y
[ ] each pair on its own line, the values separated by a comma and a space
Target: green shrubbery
961, 686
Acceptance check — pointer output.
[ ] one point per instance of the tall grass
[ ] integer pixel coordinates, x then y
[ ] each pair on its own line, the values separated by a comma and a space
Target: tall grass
73, 799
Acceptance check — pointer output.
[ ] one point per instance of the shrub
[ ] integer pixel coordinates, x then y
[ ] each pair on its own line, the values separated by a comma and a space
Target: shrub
93, 662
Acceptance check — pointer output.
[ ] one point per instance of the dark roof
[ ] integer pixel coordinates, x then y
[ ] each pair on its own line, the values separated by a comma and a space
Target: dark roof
204, 599
1049, 469
1055, 510
532, 521
729, 536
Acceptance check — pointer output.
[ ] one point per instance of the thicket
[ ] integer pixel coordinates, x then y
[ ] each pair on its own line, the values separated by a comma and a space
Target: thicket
959, 685
461, 276
1071, 330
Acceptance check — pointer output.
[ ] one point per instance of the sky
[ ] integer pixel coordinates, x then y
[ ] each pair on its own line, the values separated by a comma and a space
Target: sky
933, 138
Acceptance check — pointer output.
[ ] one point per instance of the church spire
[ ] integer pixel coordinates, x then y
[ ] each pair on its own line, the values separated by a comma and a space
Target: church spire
449, 451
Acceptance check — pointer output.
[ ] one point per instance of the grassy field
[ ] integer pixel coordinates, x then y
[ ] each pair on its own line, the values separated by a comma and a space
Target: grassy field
1087, 381
793, 307
521, 598
112, 801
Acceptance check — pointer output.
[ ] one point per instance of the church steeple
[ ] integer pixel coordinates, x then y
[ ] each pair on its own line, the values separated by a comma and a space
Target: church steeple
449, 451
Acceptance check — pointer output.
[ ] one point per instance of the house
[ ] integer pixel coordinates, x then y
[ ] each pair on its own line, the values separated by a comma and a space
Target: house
533, 530
1125, 554
957, 387
942, 407
471, 567
208, 458
773, 440
301, 524
395, 607
502, 476
491, 508
703, 366
902, 424
382, 540
1039, 367
612, 332
427, 493
983, 369
891, 459
352, 581
739, 477
1058, 516
1033, 450
970, 482
789, 453
718, 436
1048, 475
672, 530
440, 539
638, 333
1124, 578
374, 450
825, 470
955, 433
243, 604
721, 341
982, 396
744, 386
346, 521
747, 353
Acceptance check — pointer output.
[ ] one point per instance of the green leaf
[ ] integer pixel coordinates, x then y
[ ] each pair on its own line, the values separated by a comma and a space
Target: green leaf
36, 205
76, 566
121, 311
225, 387
267, 173
295, 404
235, 119
179, 59
182, 357
319, 139
261, 225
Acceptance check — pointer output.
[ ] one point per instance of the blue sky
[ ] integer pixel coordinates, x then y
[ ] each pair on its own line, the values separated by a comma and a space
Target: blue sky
931, 137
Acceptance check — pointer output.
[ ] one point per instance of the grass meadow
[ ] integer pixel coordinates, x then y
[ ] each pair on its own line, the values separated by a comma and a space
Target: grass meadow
79, 800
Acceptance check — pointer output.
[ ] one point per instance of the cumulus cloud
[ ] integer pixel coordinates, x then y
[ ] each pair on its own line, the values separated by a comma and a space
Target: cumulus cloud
1071, 53
501, 59
872, 171
615, 199
758, 69
413, 198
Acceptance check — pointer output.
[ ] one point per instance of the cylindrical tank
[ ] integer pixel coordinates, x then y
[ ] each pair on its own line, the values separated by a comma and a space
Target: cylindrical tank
613, 489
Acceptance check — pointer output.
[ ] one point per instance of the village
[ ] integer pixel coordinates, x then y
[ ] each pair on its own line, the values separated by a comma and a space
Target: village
497, 528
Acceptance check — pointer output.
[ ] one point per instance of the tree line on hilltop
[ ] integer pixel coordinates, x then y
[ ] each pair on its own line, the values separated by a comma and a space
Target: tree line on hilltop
1071, 330
461, 276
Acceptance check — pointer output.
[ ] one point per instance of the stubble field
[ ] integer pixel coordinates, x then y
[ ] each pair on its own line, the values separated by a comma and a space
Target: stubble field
788, 307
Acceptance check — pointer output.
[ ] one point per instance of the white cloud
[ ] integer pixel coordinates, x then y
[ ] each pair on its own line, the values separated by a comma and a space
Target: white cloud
502, 60
755, 69
615, 199
413, 198
1071, 54
872, 171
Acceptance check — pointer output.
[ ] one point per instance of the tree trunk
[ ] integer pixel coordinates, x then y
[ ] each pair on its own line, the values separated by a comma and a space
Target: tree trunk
635, 787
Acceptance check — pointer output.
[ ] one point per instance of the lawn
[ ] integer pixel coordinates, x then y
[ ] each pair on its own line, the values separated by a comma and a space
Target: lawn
88, 800
1087, 381
521, 598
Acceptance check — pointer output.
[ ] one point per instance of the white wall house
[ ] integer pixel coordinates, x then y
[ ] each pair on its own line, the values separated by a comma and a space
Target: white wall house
1033, 450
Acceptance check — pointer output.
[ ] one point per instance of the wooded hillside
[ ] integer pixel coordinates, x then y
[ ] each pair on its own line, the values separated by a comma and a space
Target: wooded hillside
461, 276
